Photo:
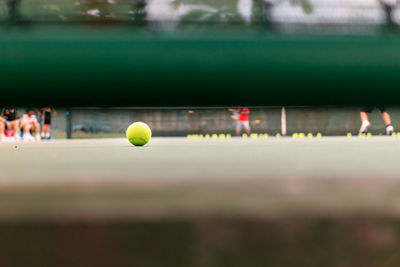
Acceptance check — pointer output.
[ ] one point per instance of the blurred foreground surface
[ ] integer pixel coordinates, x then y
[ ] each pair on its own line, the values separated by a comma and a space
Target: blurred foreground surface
183, 202
180, 202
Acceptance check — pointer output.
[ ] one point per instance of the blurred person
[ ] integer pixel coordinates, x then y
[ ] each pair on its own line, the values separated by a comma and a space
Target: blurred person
45, 114
11, 121
388, 7
243, 120
365, 124
235, 114
29, 123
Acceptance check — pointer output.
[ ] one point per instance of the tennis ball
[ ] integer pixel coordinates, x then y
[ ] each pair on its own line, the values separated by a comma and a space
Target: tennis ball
138, 133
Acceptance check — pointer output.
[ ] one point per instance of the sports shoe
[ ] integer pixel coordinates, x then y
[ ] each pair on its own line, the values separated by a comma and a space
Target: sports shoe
364, 127
26, 138
38, 138
389, 130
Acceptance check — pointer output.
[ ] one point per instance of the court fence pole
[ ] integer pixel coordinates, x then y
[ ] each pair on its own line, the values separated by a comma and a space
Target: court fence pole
68, 129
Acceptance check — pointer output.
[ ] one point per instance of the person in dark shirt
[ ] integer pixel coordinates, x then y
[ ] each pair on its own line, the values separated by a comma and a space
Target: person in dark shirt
11, 121
45, 114
365, 124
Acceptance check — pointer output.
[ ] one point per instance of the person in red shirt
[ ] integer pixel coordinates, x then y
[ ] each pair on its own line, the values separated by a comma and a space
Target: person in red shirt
243, 120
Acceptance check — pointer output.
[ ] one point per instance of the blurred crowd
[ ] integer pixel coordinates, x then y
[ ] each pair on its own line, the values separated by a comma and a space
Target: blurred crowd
26, 127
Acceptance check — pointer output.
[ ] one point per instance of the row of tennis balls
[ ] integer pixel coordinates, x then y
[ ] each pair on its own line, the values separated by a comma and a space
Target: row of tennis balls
139, 134
253, 136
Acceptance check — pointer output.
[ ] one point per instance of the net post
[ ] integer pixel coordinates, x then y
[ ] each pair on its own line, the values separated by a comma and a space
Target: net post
68, 126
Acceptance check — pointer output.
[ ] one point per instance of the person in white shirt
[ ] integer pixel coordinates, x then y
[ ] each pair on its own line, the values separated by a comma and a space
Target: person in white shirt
29, 123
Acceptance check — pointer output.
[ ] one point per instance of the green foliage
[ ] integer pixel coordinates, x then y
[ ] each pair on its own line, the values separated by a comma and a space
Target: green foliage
221, 15
305, 5
220, 3
224, 11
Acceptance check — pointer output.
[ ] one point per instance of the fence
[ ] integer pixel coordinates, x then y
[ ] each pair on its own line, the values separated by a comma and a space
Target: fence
105, 122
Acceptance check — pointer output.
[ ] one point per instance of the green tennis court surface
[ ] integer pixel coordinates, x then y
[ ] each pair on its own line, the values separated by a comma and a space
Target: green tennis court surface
179, 177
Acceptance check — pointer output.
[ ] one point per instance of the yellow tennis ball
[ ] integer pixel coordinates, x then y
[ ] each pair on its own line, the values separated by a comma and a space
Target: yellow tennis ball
138, 133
